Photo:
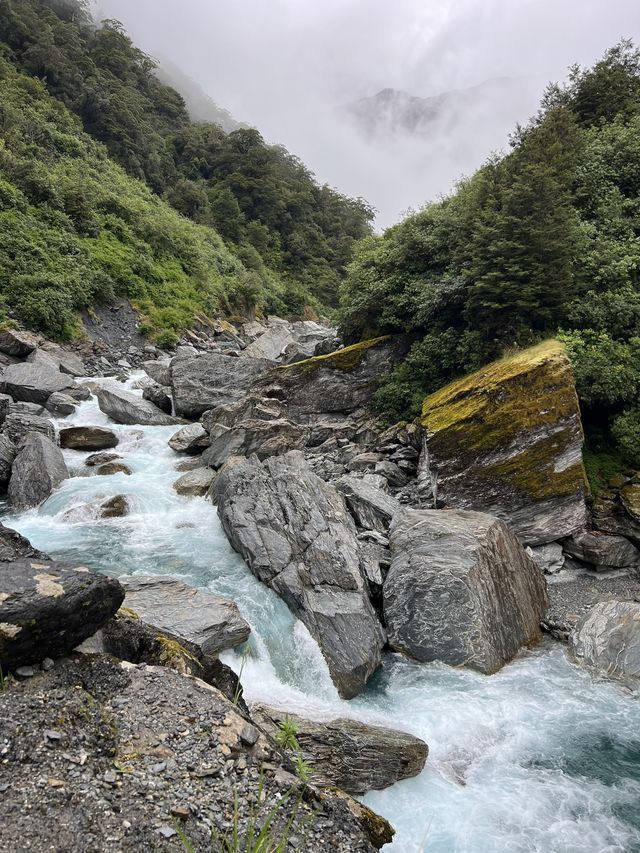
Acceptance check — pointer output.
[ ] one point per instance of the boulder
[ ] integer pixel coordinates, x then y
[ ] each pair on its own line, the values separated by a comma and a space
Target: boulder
88, 438
602, 550
191, 439
17, 426
296, 535
461, 589
14, 546
123, 407
252, 407
107, 469
347, 754
8, 453
5, 406
549, 558
116, 507
206, 621
23, 408
159, 371
607, 639
38, 469
372, 508
33, 383
17, 343
202, 383
340, 382
160, 396
507, 440
61, 405
264, 438
195, 483
66, 361
97, 459
40, 358
270, 344
47, 608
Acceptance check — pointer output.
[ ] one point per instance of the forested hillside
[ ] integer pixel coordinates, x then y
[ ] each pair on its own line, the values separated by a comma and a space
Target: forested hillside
78, 147
542, 241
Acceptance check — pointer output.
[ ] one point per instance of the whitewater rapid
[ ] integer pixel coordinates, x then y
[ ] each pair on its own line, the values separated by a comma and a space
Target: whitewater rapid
539, 758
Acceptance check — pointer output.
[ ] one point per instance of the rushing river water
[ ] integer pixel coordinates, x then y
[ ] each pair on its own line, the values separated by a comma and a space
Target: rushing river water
540, 757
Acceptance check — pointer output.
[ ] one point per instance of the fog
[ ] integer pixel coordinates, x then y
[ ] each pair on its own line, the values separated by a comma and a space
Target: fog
287, 66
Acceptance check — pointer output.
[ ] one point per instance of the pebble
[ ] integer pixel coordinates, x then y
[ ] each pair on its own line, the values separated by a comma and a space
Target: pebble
25, 672
50, 734
47, 664
110, 776
167, 831
181, 812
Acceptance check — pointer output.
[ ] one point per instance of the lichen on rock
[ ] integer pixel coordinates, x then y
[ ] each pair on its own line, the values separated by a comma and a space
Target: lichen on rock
508, 440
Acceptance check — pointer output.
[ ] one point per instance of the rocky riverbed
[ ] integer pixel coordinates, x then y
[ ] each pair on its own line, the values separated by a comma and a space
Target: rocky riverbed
345, 525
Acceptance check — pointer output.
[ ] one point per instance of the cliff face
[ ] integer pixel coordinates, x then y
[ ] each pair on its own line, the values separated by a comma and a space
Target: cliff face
508, 440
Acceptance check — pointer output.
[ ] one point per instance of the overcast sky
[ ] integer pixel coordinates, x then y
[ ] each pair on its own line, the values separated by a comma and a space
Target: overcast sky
284, 65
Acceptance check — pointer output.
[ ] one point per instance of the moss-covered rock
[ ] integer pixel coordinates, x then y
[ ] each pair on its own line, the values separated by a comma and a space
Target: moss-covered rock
508, 440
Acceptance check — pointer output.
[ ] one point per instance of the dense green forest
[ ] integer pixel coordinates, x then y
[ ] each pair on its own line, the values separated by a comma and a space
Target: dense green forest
542, 241
96, 154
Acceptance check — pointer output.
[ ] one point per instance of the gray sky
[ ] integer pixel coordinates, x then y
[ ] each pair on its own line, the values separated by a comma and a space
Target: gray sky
284, 65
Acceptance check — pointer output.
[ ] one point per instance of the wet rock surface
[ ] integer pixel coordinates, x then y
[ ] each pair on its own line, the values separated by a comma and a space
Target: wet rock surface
461, 589
195, 483
38, 469
607, 639
48, 607
144, 747
348, 754
296, 535
123, 407
88, 438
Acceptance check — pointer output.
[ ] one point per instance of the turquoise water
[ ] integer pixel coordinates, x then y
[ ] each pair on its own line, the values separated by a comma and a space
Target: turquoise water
539, 758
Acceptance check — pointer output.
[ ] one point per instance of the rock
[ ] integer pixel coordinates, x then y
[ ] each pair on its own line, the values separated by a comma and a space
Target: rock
116, 507
372, 508
66, 361
160, 396
195, 483
61, 404
340, 382
13, 546
123, 407
461, 589
508, 440
189, 464
602, 550
159, 371
40, 358
607, 639
270, 344
630, 497
264, 438
348, 754
549, 558
392, 473
252, 407
206, 621
141, 718
48, 608
17, 426
80, 393
32, 383
109, 468
364, 461
88, 438
100, 459
8, 453
202, 383
296, 535
38, 469
5, 406
17, 343
23, 408
192, 439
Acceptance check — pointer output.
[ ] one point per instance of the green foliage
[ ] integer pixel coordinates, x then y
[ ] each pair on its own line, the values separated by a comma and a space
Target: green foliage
601, 467
263, 201
541, 241
286, 735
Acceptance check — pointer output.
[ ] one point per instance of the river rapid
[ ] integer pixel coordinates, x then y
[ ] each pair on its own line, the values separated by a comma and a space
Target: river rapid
539, 758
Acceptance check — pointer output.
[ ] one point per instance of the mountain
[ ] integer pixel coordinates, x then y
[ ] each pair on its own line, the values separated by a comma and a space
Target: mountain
392, 113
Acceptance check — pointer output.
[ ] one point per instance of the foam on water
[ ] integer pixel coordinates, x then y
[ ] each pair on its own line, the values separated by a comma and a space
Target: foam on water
539, 758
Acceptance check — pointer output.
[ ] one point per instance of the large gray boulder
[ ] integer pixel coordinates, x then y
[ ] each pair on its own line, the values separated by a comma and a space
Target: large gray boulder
123, 407
601, 550
191, 439
507, 440
159, 371
17, 343
372, 508
202, 383
264, 438
88, 438
67, 362
38, 469
14, 546
195, 483
47, 608
61, 405
270, 344
461, 589
607, 639
33, 383
18, 425
347, 754
296, 535
206, 621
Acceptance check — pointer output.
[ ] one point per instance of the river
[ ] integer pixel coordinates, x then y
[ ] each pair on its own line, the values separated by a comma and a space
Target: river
539, 758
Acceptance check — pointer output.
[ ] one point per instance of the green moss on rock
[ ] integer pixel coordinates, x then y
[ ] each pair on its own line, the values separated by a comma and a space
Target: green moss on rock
346, 359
